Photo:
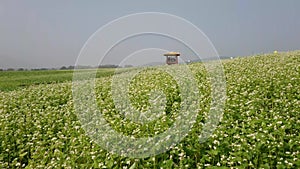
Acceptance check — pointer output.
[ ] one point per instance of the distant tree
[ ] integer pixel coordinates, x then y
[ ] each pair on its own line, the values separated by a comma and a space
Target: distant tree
108, 66
71, 67
63, 68
83, 67
128, 66
39, 69
10, 69
21, 69
1, 70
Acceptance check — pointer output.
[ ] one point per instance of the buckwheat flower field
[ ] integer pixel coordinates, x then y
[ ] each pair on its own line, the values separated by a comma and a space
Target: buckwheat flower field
259, 129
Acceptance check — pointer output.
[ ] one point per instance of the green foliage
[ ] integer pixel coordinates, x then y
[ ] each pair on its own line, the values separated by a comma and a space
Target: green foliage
260, 127
12, 80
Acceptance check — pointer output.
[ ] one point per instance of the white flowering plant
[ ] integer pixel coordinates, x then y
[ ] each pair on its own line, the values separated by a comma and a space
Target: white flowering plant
259, 129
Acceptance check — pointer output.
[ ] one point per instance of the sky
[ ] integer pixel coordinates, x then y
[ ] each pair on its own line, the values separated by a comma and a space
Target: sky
38, 34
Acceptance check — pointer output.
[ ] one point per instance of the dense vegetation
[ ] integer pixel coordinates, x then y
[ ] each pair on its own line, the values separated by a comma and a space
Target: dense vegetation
260, 127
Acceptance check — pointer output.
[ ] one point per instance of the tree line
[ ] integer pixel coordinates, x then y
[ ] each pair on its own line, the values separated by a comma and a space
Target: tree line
65, 68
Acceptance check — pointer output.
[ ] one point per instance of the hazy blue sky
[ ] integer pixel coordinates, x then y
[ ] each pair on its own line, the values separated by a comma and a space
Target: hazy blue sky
51, 33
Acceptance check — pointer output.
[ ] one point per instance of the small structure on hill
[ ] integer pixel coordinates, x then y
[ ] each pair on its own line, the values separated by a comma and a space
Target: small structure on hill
172, 57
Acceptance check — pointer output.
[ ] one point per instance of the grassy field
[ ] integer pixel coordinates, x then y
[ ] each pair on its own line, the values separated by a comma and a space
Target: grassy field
12, 80
260, 126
